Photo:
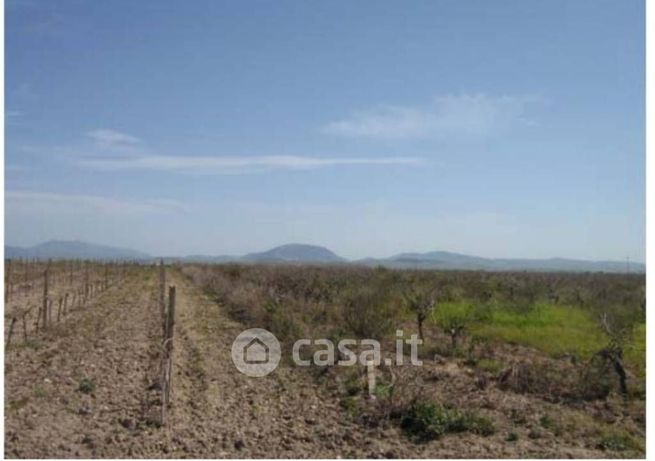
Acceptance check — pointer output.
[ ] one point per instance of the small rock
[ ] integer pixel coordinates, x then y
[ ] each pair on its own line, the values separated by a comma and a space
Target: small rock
88, 441
239, 444
128, 423
534, 434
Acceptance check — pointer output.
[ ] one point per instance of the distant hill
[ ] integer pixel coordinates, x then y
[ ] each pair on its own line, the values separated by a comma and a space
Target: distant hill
295, 253
72, 249
456, 261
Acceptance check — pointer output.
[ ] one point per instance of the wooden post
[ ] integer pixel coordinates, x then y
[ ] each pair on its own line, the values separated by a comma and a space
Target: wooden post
170, 326
86, 280
11, 331
7, 280
167, 362
25, 326
170, 322
44, 311
162, 294
61, 300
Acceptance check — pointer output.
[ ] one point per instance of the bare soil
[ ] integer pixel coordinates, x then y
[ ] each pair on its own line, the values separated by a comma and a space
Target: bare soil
88, 388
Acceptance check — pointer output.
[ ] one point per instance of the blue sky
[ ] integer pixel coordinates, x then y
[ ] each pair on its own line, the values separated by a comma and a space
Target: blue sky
495, 128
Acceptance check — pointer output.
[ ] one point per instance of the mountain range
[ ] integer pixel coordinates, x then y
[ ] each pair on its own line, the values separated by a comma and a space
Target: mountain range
313, 254
73, 249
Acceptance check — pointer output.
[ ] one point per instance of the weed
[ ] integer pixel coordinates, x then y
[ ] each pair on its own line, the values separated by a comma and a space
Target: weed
383, 391
425, 420
517, 417
40, 392
490, 365
549, 423
349, 404
512, 437
471, 422
546, 422
86, 386
16, 405
352, 383
618, 442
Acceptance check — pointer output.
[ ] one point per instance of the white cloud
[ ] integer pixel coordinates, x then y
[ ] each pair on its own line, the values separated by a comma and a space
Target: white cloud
47, 203
464, 115
116, 151
233, 164
112, 138
13, 114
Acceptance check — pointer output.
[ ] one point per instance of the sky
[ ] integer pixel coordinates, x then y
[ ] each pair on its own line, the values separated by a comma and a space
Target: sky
494, 128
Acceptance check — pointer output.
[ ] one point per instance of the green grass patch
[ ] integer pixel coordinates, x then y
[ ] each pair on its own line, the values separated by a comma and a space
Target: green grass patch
555, 330
635, 352
620, 442
490, 365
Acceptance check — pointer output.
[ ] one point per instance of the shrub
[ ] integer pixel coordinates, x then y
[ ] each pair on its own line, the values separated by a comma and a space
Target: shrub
368, 313
618, 442
421, 302
490, 365
86, 386
455, 319
512, 437
425, 420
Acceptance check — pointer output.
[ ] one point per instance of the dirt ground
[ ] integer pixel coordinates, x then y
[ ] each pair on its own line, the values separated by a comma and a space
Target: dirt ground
88, 388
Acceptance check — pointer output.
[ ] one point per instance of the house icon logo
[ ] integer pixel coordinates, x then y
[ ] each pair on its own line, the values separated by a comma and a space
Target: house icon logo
256, 352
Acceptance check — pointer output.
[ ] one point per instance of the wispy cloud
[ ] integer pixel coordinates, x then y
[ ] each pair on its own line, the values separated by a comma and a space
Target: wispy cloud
112, 138
465, 115
233, 164
111, 150
13, 114
47, 203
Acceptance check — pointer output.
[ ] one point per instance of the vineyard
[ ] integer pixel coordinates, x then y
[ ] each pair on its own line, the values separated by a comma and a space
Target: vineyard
40, 294
133, 360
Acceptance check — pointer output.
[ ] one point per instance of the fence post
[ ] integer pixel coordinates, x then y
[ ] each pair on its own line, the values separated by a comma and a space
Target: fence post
86, 281
7, 280
167, 365
61, 300
162, 294
170, 327
25, 326
11, 331
44, 310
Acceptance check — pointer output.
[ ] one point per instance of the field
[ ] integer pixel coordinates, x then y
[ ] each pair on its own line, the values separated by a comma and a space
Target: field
527, 365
